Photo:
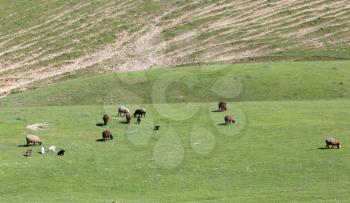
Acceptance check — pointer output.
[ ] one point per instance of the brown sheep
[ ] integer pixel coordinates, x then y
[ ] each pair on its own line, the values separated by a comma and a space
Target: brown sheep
128, 118
229, 119
222, 106
107, 135
332, 142
105, 119
32, 139
141, 112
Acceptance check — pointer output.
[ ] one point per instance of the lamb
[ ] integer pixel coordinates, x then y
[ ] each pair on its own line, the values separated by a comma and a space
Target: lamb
32, 139
61, 152
332, 142
138, 121
28, 153
51, 149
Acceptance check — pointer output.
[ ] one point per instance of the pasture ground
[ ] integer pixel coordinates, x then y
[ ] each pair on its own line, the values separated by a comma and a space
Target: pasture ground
274, 157
273, 153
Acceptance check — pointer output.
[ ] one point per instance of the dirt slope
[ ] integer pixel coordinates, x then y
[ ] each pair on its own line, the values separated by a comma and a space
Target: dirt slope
41, 39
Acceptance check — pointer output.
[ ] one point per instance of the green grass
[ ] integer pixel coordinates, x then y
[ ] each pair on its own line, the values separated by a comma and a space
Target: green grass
275, 156
272, 154
255, 82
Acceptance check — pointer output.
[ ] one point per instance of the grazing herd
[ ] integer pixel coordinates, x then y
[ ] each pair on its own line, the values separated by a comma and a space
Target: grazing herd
141, 113
122, 111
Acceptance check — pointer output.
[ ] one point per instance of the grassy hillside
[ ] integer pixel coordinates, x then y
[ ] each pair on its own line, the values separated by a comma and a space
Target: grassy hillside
241, 82
40, 39
273, 153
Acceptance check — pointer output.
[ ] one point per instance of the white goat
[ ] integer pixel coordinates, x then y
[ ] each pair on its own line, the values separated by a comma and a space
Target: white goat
52, 149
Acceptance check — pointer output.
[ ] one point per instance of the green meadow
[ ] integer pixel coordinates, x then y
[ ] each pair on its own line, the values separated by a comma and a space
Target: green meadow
273, 153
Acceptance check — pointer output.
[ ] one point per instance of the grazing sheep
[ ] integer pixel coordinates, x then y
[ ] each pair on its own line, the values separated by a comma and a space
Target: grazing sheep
32, 139
122, 111
128, 118
141, 112
28, 153
222, 106
229, 119
105, 119
61, 152
107, 135
42, 148
51, 149
332, 142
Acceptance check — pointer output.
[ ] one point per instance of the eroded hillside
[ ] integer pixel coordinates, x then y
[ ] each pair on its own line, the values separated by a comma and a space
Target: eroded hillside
44, 39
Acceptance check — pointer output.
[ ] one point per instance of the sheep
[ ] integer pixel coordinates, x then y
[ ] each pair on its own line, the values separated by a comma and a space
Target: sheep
105, 119
28, 153
51, 149
32, 139
333, 142
107, 135
229, 119
222, 106
141, 112
42, 148
138, 121
122, 111
61, 152
128, 118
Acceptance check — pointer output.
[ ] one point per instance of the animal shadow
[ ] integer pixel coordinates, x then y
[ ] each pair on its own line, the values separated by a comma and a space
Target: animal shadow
22, 145
123, 122
326, 148
99, 124
217, 110
100, 140
323, 148
222, 124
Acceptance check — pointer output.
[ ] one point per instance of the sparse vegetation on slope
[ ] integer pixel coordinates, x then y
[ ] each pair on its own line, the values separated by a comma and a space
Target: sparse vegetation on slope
42, 39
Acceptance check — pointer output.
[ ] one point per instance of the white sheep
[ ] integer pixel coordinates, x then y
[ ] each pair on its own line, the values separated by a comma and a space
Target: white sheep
42, 150
122, 111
